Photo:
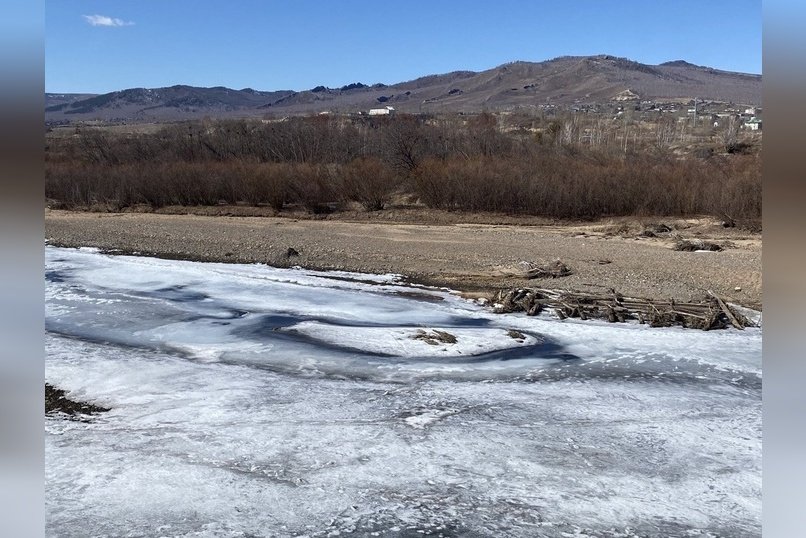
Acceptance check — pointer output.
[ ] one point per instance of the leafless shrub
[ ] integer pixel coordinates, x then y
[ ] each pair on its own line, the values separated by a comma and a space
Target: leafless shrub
369, 182
577, 172
267, 183
750, 225
314, 187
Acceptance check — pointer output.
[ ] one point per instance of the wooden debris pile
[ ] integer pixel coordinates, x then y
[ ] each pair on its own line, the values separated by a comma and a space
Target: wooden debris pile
686, 245
712, 313
555, 269
655, 230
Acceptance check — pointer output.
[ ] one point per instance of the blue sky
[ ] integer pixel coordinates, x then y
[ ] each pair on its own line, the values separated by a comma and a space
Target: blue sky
104, 45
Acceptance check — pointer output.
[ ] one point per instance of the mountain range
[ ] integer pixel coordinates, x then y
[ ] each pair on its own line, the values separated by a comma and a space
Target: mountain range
566, 80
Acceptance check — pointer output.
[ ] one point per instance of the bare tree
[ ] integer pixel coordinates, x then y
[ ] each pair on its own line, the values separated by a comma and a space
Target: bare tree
570, 131
729, 135
404, 141
664, 133
95, 147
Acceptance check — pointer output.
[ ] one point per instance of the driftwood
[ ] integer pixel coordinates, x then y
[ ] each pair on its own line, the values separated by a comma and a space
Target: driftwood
555, 269
686, 245
711, 313
731, 316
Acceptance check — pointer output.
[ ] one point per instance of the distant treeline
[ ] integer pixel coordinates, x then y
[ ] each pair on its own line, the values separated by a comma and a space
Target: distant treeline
558, 168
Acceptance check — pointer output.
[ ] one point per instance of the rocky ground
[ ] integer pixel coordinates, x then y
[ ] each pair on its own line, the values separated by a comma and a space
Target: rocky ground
57, 401
472, 253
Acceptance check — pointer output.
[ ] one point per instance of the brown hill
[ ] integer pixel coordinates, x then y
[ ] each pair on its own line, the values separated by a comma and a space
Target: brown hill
518, 85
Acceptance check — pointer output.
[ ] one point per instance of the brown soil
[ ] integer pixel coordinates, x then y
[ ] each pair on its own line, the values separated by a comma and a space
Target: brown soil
476, 254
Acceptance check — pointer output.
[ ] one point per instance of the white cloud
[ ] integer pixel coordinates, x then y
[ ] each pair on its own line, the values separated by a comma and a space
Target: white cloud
103, 20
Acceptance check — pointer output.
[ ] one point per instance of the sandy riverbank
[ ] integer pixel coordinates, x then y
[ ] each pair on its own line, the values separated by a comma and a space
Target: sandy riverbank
472, 257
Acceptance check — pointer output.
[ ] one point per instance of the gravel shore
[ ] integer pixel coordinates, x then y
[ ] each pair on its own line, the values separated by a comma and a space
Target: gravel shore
472, 257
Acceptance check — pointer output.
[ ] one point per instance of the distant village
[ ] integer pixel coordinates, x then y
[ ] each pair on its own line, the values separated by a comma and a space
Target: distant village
696, 112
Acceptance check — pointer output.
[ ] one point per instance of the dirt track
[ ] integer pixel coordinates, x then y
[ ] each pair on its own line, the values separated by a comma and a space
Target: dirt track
468, 257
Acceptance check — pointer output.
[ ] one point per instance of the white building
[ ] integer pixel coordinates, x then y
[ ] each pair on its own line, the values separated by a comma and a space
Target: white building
385, 111
753, 124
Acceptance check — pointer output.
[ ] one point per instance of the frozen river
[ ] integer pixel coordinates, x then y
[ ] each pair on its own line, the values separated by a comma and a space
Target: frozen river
252, 401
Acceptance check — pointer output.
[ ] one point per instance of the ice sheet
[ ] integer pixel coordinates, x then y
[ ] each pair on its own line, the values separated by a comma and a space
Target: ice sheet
252, 401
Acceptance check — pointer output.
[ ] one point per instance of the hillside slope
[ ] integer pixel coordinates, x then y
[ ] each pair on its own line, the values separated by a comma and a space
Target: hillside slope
561, 81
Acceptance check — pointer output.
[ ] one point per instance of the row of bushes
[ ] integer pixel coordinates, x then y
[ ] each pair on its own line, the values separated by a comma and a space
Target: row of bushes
580, 187
556, 184
189, 184
401, 142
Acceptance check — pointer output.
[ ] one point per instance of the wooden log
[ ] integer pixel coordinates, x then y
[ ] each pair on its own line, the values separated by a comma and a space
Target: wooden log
614, 307
727, 311
704, 318
535, 309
